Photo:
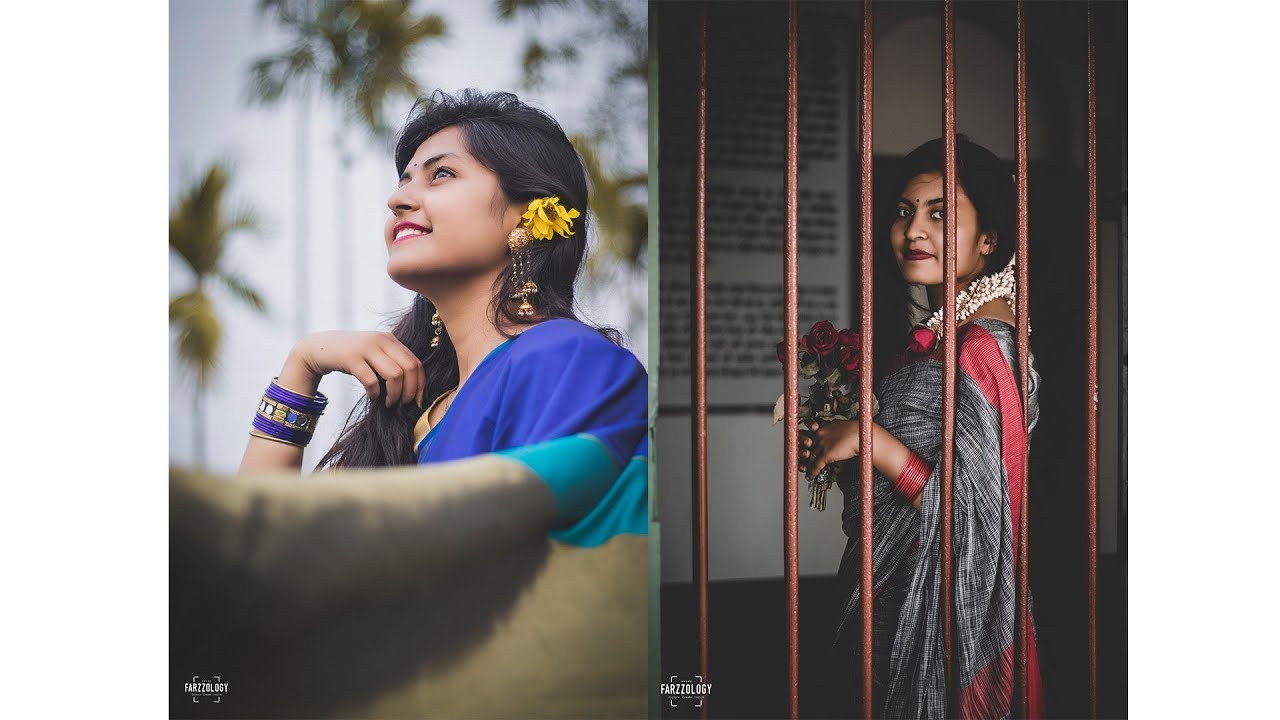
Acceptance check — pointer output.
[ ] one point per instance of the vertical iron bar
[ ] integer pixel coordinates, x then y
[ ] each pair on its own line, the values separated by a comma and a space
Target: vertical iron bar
1091, 387
791, 533
864, 395
948, 318
1024, 363
699, 282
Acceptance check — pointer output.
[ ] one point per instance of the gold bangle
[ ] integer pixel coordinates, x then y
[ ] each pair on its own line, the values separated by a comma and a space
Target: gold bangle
278, 412
276, 381
264, 436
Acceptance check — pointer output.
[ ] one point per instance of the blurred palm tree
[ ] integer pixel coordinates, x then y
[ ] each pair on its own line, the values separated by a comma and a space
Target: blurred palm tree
616, 31
618, 182
359, 53
622, 224
199, 228
561, 37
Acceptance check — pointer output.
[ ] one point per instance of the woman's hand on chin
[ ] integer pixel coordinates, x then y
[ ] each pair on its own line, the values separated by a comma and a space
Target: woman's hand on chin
366, 356
823, 444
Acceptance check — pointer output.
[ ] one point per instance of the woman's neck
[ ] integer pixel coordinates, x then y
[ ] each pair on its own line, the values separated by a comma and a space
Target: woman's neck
997, 308
937, 296
937, 293
467, 314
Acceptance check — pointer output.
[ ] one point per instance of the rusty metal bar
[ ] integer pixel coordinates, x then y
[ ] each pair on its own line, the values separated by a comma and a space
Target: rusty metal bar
948, 316
699, 282
1091, 386
791, 506
864, 395
1024, 363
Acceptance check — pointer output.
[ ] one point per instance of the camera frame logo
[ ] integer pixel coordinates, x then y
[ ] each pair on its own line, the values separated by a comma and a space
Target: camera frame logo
202, 690
693, 690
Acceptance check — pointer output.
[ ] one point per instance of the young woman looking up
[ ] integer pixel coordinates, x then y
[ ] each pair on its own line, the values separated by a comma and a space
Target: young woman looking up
488, 226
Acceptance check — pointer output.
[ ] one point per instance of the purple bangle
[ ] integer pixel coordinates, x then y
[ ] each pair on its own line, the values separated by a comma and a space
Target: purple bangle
291, 410
310, 405
280, 432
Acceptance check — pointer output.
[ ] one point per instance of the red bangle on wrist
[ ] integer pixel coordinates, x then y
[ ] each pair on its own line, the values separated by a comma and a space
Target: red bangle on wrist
913, 477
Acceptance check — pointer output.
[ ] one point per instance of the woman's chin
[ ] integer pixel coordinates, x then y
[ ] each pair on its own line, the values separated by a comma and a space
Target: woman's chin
919, 278
410, 276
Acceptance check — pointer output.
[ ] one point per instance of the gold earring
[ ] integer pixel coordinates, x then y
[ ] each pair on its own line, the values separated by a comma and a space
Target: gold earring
439, 325
529, 288
518, 240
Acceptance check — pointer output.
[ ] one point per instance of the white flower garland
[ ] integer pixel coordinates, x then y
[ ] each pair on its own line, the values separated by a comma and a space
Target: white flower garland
980, 292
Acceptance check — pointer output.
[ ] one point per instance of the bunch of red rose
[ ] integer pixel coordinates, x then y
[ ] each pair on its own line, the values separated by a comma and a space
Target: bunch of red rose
831, 358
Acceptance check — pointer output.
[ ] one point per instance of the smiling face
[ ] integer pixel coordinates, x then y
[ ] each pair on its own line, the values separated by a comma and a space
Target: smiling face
917, 234
449, 218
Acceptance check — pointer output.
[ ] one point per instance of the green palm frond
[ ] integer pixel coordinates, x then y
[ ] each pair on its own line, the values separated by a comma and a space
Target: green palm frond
199, 333
389, 38
241, 289
613, 30
536, 57
360, 52
508, 9
270, 77
199, 228
532, 61
314, 29
195, 222
242, 219
622, 225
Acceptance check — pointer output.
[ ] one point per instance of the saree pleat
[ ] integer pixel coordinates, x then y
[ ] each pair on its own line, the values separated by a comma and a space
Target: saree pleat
990, 442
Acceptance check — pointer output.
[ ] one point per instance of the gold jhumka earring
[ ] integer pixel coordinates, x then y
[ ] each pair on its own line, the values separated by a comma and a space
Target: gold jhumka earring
518, 240
545, 218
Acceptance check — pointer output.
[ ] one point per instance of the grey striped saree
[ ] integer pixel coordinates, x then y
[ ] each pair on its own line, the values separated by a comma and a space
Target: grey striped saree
909, 678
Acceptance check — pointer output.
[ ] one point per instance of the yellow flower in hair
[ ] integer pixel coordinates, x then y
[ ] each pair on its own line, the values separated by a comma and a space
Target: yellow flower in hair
546, 216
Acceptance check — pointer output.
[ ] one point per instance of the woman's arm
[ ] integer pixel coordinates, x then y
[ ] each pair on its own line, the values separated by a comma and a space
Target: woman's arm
264, 455
840, 440
367, 356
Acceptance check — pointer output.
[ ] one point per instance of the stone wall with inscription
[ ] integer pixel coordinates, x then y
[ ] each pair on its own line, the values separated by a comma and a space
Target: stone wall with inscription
745, 236
745, 204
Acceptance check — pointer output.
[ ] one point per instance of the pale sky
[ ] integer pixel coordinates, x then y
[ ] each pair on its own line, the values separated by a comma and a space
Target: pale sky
211, 46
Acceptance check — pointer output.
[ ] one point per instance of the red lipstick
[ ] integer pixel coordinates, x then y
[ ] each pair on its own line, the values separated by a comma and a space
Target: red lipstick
414, 230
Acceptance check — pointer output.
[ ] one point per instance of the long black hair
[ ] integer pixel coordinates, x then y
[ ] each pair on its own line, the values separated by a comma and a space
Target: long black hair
988, 183
529, 152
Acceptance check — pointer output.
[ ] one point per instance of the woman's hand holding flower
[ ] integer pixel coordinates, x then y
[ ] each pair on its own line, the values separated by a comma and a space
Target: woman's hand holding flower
823, 444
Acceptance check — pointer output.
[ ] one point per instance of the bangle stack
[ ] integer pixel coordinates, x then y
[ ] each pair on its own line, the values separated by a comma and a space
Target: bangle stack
913, 477
286, 416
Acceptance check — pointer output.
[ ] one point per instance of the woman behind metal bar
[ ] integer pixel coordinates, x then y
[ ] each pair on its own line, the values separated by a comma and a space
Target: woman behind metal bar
909, 677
